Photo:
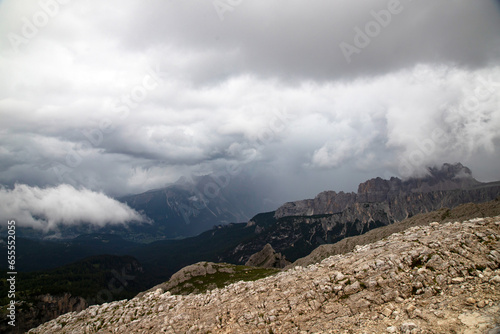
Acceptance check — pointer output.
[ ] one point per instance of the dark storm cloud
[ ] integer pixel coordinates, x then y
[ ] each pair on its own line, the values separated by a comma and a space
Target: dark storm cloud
293, 39
125, 96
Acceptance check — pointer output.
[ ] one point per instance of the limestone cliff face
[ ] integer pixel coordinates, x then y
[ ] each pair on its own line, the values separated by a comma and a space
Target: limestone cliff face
448, 177
449, 186
297, 236
378, 190
324, 203
301, 226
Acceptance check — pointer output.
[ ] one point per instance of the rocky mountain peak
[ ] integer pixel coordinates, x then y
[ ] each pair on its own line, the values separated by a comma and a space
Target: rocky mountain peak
376, 190
451, 171
446, 177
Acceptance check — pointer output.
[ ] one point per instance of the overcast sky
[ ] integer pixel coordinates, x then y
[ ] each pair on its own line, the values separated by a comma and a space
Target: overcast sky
122, 96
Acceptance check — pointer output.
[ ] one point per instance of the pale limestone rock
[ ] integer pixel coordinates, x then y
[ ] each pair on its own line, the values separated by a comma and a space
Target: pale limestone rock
408, 327
392, 329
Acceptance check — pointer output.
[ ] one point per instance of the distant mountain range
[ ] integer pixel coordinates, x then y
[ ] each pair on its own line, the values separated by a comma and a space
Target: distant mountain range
182, 209
188, 208
295, 229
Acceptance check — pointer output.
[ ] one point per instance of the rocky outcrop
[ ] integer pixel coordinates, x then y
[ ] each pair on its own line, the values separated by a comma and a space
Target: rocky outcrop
194, 270
441, 278
53, 306
267, 258
197, 270
202, 276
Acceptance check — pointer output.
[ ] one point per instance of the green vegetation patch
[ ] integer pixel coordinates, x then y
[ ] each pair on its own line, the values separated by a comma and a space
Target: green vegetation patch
222, 278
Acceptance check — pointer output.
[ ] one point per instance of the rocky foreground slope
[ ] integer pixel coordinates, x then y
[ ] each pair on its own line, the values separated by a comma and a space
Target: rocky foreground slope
442, 278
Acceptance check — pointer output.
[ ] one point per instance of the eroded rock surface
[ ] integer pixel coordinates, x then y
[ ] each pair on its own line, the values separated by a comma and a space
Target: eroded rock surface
267, 258
441, 278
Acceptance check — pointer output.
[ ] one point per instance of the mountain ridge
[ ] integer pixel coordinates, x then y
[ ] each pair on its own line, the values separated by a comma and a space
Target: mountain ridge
294, 232
297, 228
447, 177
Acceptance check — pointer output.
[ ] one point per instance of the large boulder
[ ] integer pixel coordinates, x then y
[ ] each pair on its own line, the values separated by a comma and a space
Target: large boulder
267, 258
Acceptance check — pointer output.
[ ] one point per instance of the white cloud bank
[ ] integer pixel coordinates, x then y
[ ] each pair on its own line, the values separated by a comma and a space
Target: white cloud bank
62, 205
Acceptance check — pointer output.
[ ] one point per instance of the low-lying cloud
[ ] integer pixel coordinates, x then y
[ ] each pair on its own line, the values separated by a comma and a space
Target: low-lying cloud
47, 209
